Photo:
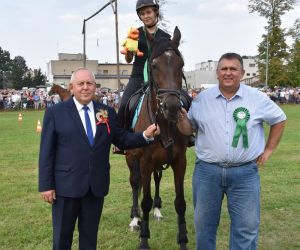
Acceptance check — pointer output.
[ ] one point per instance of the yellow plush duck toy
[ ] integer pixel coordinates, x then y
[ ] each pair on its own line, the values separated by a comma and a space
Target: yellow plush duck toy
131, 42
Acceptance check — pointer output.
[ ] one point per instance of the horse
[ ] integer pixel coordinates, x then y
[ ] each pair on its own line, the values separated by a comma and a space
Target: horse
161, 105
63, 93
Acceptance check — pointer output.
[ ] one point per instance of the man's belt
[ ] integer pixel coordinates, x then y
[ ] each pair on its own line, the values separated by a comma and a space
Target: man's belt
230, 164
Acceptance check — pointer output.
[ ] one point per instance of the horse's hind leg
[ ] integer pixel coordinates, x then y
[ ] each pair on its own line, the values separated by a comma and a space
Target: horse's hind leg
180, 204
135, 179
157, 200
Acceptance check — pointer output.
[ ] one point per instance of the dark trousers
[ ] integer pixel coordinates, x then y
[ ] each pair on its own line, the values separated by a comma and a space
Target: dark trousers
65, 212
133, 85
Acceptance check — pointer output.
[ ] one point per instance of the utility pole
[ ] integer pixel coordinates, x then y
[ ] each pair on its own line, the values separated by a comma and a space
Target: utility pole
267, 58
115, 10
84, 28
84, 52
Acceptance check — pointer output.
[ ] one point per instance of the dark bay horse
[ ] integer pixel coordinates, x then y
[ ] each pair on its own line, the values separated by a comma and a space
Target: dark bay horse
63, 93
161, 104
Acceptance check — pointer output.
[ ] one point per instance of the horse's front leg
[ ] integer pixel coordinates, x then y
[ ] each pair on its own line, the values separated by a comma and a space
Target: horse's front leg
135, 182
157, 174
146, 205
179, 168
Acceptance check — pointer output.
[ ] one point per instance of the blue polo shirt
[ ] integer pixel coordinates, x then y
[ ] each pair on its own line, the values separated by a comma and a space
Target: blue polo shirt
211, 115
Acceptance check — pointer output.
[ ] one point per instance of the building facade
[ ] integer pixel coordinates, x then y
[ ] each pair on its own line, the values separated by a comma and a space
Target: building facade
205, 73
60, 71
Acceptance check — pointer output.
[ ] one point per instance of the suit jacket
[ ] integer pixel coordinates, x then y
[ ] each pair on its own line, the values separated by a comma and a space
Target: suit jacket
67, 161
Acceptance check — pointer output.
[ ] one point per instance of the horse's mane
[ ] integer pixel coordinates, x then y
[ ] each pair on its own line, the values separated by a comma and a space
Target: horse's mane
160, 45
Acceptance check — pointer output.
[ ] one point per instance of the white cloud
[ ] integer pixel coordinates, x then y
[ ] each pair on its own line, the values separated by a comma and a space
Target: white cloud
235, 7
209, 28
70, 18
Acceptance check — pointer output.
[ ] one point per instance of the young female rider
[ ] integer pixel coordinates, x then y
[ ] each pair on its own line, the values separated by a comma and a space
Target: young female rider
148, 12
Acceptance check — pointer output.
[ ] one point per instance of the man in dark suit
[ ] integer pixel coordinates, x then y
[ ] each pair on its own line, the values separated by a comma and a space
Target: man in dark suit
74, 160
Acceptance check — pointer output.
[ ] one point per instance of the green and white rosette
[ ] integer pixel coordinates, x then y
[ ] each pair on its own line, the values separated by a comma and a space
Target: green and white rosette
241, 116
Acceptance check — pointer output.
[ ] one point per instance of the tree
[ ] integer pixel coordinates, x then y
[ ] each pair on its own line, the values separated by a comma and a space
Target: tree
18, 70
294, 58
274, 39
5, 65
39, 78
27, 80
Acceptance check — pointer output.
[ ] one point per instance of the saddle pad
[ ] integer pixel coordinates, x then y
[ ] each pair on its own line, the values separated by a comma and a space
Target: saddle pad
137, 111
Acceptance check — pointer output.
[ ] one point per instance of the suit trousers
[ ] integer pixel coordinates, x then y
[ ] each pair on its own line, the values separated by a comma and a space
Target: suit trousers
66, 211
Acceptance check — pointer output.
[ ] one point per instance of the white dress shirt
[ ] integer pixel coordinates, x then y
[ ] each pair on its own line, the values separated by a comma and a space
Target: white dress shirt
91, 114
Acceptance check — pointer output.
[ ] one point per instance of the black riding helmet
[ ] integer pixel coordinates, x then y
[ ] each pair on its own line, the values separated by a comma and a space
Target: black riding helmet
146, 3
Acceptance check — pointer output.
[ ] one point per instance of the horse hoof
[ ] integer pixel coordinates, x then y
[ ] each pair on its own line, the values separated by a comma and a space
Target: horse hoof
183, 246
157, 214
144, 244
134, 224
134, 228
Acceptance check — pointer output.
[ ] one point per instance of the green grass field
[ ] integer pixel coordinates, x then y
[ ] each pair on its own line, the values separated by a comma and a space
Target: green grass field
25, 220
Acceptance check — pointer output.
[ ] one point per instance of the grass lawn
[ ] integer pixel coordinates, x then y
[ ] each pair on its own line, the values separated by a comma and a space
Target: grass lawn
26, 220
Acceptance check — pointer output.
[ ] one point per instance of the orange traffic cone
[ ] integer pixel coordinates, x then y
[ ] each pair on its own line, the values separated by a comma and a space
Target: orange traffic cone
20, 118
38, 127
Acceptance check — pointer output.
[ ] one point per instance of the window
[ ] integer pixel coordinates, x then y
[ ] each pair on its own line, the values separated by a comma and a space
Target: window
105, 71
252, 65
248, 74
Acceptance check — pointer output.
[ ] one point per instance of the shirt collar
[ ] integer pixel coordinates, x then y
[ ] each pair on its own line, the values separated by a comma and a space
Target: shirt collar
79, 105
239, 93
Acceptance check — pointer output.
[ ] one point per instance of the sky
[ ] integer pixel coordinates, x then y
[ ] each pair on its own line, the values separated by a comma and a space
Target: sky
40, 29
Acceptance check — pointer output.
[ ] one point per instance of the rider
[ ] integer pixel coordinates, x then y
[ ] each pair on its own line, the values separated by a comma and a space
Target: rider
148, 12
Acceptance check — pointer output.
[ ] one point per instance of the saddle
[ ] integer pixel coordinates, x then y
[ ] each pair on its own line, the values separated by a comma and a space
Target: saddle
132, 105
134, 100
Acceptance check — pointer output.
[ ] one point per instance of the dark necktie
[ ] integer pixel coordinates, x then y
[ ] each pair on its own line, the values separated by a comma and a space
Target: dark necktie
88, 124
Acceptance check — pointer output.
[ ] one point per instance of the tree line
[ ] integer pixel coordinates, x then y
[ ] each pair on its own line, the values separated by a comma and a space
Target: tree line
278, 63
14, 73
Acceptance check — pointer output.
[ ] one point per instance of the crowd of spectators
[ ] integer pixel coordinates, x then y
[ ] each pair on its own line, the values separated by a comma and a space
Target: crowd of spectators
284, 95
110, 98
11, 99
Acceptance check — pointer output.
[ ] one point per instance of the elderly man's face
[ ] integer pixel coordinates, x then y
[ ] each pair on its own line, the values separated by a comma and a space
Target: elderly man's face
83, 87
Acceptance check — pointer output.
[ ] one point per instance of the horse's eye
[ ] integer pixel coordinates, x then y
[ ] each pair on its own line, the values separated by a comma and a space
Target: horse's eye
153, 66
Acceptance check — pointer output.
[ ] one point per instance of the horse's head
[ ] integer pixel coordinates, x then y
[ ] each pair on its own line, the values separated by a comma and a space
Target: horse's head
53, 89
165, 74
63, 93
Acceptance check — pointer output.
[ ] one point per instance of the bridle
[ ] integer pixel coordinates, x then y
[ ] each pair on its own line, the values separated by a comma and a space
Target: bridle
162, 95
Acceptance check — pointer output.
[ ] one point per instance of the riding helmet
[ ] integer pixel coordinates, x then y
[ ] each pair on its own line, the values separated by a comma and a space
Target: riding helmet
146, 3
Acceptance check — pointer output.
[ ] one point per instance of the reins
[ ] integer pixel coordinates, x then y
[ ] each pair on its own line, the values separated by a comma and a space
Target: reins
161, 96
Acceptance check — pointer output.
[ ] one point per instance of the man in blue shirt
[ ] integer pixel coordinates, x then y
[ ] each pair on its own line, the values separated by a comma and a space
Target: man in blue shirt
230, 144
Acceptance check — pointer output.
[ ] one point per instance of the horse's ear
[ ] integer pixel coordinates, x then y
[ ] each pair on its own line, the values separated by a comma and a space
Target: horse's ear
176, 37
